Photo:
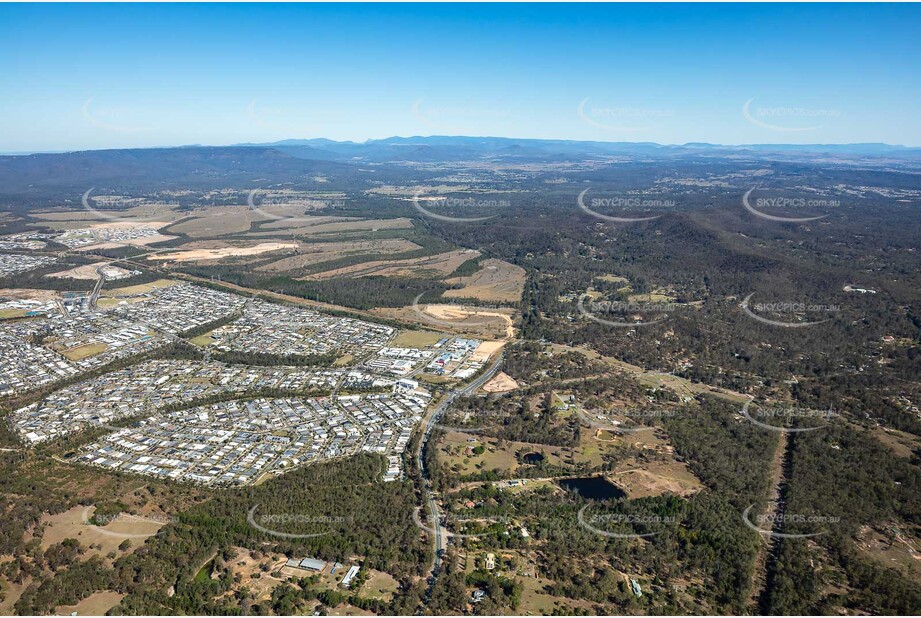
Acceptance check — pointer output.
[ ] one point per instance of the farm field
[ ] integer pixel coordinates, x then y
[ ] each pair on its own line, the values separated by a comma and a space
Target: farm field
613, 279
309, 254
217, 221
434, 266
660, 296
84, 351
332, 225
416, 338
150, 214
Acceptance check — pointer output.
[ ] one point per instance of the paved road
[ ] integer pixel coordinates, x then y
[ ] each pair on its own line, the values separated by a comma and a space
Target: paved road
441, 541
94, 296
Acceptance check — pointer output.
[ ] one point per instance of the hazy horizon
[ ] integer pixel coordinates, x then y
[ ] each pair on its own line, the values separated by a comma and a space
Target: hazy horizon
297, 140
90, 77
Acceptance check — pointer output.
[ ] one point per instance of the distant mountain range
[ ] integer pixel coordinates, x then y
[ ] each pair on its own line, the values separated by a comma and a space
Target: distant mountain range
35, 174
439, 147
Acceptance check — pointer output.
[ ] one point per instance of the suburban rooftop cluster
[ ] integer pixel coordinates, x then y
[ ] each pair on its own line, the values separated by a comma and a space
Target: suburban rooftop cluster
24, 367
284, 330
207, 421
156, 384
85, 237
454, 357
237, 442
20, 243
77, 337
13, 264
179, 308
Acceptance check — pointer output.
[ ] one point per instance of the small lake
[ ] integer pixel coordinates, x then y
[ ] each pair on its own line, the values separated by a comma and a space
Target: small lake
593, 488
533, 458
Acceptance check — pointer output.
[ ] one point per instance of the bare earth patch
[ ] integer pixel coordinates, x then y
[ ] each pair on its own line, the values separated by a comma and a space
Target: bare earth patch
11, 594
380, 585
495, 281
486, 349
502, 383
658, 478
192, 255
73, 524
97, 604
455, 312
900, 443
892, 546
87, 271
143, 288
29, 294
245, 566
484, 323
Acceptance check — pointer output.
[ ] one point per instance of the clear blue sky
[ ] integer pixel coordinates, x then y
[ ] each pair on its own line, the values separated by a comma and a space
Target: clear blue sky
82, 76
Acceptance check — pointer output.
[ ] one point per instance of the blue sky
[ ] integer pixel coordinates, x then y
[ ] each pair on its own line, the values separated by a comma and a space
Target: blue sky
79, 76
